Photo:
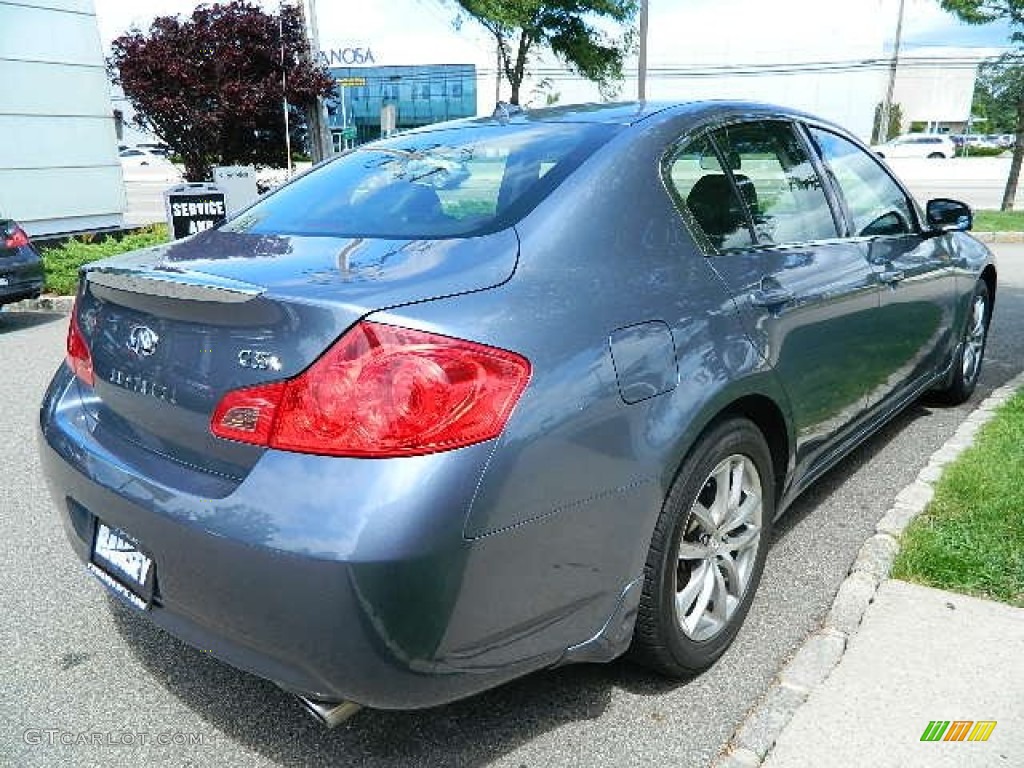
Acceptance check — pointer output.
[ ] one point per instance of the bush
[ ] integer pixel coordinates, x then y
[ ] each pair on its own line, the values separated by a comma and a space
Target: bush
61, 263
985, 151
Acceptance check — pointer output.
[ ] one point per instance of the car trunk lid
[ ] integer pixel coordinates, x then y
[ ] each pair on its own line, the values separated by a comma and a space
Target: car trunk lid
173, 328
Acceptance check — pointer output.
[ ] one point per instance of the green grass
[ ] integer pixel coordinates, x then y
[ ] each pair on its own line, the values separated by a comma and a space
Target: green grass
62, 262
970, 539
999, 221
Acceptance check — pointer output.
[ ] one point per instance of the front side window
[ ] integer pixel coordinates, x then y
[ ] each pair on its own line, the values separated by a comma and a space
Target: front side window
778, 182
444, 183
702, 185
876, 204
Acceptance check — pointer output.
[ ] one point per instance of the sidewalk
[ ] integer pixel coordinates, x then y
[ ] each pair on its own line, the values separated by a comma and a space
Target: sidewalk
892, 657
921, 654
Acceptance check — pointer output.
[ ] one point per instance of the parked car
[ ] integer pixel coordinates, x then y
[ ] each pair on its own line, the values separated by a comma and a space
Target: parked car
154, 148
134, 157
21, 269
931, 145
390, 442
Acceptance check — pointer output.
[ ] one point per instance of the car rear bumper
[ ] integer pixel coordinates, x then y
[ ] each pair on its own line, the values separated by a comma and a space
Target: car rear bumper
28, 289
287, 578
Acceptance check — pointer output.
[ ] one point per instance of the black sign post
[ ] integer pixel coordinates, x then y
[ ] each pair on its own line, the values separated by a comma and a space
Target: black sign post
192, 208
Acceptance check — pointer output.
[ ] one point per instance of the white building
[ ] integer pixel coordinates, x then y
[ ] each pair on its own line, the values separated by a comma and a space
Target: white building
935, 86
824, 56
59, 168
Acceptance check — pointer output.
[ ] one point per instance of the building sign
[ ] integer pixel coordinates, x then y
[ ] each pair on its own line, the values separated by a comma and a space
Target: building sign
351, 82
192, 208
345, 57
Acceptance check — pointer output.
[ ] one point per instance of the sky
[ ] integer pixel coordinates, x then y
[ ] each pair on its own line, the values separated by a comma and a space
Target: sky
420, 30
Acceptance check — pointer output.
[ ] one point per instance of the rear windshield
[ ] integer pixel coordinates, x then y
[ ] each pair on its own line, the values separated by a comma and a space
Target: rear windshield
447, 183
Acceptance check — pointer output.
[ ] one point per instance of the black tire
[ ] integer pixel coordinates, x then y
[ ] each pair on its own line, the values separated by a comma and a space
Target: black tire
936, 156
970, 352
659, 638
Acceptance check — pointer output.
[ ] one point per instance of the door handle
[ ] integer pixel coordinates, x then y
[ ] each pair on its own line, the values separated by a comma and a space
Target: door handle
891, 276
771, 297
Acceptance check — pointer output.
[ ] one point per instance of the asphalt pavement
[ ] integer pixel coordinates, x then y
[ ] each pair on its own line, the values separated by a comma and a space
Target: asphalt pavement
85, 682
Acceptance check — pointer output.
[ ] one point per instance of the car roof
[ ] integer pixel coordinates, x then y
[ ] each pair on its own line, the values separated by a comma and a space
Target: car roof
625, 113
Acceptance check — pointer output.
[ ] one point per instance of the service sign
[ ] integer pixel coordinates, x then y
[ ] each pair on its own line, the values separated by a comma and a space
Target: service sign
193, 208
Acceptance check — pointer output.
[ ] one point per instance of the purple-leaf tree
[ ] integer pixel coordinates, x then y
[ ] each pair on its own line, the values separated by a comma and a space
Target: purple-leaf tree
211, 86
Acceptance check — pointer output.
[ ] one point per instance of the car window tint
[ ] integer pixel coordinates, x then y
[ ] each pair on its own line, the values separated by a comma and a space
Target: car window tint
876, 203
701, 183
781, 187
445, 183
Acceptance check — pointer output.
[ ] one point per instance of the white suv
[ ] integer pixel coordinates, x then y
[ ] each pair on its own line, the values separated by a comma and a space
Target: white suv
930, 145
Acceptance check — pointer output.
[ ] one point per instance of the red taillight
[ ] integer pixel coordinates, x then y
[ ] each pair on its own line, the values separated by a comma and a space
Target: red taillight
381, 391
15, 238
79, 357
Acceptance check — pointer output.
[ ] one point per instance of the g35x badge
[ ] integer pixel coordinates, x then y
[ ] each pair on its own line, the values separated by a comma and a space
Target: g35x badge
261, 361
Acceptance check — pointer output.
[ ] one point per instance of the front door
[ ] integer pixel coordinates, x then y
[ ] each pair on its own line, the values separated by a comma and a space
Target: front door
918, 291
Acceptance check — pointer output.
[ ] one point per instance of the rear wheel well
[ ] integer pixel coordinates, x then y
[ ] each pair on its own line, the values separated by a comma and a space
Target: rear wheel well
989, 276
768, 418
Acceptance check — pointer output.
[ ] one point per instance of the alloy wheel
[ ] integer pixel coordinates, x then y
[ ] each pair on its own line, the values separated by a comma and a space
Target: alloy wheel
718, 548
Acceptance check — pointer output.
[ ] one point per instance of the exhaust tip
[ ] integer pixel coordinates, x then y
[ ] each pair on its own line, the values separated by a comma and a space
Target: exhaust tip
329, 714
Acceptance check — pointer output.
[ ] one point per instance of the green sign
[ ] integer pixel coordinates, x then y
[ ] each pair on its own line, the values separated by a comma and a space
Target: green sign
348, 132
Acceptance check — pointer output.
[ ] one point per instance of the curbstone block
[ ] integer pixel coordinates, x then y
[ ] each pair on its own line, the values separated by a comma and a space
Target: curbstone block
42, 304
915, 496
896, 520
855, 595
738, 758
763, 726
814, 661
876, 556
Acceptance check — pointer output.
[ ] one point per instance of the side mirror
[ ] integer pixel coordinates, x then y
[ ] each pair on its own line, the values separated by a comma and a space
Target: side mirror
949, 215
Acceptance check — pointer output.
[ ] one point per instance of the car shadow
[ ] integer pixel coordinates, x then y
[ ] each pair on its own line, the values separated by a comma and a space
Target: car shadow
475, 731
11, 322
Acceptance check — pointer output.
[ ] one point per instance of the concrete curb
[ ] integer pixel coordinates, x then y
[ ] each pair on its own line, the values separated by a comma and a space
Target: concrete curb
999, 237
815, 659
45, 303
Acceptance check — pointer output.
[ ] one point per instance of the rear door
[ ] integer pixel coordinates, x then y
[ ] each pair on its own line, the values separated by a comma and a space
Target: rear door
914, 273
808, 297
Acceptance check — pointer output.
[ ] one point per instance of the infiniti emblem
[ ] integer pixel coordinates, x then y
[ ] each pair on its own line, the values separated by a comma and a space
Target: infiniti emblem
142, 340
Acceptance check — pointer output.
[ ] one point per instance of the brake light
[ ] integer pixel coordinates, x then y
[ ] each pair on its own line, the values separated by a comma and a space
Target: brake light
15, 238
381, 391
79, 357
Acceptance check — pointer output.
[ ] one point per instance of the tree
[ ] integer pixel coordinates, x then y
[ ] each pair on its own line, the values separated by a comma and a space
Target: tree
996, 93
210, 86
895, 123
522, 27
1012, 12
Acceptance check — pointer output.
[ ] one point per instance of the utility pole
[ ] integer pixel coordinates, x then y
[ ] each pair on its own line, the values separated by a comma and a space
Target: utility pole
319, 134
641, 75
883, 116
284, 91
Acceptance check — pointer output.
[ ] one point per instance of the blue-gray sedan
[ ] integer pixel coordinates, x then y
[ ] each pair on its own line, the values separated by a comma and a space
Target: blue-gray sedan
501, 394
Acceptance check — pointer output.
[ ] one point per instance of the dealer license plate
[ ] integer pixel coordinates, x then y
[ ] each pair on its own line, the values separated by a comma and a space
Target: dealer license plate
119, 563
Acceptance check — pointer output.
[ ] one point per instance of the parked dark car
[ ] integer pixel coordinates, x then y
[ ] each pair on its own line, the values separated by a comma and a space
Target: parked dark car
501, 394
21, 269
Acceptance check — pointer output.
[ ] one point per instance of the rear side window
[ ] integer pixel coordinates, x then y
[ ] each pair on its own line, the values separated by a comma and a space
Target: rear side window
701, 183
446, 183
780, 185
876, 204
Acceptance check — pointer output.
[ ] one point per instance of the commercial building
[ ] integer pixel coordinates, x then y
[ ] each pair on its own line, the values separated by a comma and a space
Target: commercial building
401, 97
59, 168
935, 88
